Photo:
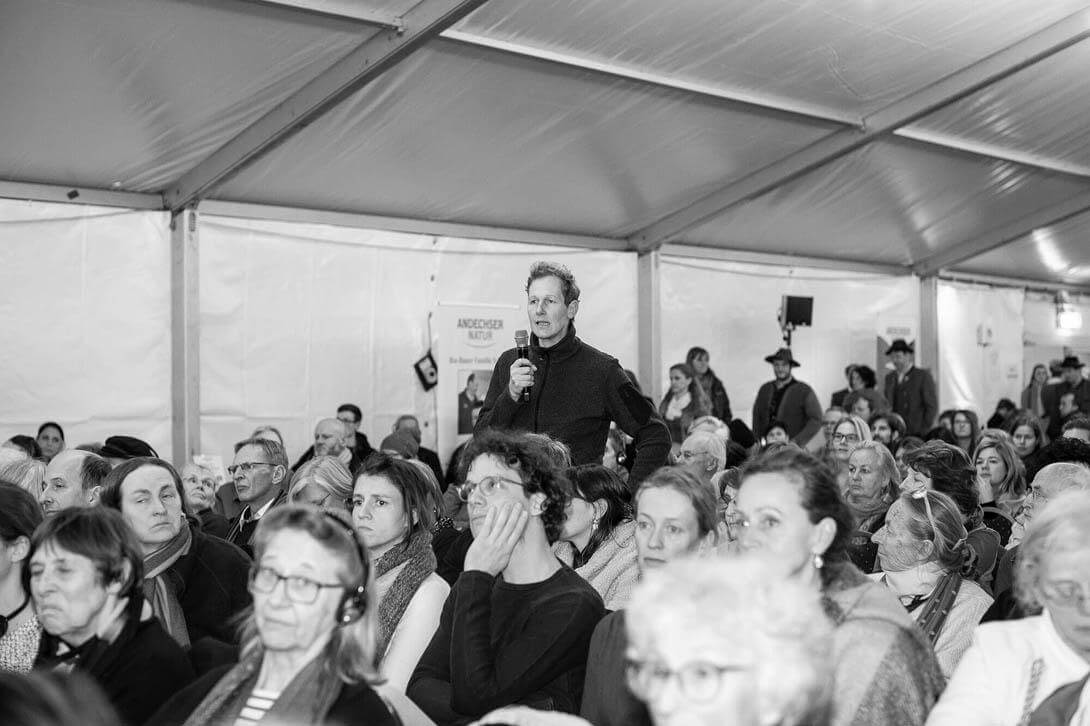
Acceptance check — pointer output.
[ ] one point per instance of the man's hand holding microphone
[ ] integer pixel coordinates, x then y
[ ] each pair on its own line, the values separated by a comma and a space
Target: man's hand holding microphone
521, 378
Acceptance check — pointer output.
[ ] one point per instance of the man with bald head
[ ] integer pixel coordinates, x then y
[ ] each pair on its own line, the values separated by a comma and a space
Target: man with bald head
72, 479
331, 439
1050, 482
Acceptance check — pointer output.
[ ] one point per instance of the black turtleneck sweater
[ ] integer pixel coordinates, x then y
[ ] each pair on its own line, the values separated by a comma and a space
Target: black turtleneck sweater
577, 391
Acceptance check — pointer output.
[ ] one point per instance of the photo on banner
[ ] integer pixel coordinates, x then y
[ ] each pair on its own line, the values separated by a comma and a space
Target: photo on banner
468, 341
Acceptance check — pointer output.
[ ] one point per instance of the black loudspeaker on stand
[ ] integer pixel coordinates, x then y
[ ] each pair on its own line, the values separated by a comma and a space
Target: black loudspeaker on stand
795, 312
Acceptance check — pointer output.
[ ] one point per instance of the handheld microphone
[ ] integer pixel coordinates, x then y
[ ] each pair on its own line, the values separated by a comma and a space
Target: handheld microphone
522, 343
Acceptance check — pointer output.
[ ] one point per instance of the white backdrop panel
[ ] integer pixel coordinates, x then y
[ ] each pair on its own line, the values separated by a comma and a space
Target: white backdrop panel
1045, 342
85, 322
978, 367
297, 318
730, 309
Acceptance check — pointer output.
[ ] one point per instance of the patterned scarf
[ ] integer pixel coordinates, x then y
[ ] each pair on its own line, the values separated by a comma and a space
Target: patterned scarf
416, 561
306, 700
158, 589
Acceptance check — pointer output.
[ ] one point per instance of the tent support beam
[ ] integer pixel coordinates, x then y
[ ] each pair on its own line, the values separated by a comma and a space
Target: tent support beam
764, 258
346, 9
1004, 235
946, 141
185, 416
79, 195
1053, 39
376, 55
649, 321
717, 92
300, 215
927, 344
1029, 285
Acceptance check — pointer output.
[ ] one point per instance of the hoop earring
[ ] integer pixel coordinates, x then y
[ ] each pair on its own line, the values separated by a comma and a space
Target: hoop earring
818, 561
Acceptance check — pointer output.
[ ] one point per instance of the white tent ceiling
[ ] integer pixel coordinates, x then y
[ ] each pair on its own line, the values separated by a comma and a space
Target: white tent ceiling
939, 134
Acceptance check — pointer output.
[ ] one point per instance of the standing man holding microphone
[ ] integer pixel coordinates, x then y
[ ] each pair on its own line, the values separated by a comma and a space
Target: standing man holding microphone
554, 383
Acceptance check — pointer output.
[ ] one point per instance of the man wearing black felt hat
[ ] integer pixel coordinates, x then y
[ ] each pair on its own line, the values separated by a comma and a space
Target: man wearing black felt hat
910, 390
1071, 381
786, 400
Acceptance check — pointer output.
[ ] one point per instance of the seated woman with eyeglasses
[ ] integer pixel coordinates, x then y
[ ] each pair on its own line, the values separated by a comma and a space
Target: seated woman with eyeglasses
321, 482
394, 506
848, 433
1012, 667
85, 576
308, 647
794, 517
922, 552
763, 665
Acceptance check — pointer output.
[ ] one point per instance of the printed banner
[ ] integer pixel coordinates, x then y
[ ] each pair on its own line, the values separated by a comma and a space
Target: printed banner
469, 341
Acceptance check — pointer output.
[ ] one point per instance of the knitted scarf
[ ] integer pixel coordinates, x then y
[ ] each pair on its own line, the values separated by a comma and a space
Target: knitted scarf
613, 568
158, 589
868, 511
414, 562
306, 700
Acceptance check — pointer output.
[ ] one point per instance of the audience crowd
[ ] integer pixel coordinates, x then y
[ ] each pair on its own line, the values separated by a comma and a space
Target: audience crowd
879, 562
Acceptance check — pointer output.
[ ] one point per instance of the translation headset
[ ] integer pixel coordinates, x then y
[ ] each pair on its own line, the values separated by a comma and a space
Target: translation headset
354, 602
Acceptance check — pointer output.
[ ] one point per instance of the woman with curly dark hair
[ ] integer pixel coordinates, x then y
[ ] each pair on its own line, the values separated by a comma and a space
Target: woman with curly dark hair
947, 469
517, 624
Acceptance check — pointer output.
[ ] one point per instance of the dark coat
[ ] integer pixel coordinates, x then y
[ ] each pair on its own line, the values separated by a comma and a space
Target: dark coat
915, 399
431, 458
799, 411
242, 534
211, 582
357, 704
577, 391
214, 523
137, 672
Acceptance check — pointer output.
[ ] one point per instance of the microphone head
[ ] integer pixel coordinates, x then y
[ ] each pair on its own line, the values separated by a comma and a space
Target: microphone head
522, 339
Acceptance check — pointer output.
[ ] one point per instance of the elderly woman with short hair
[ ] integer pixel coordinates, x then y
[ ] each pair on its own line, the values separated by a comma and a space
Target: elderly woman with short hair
1012, 666
308, 647
84, 575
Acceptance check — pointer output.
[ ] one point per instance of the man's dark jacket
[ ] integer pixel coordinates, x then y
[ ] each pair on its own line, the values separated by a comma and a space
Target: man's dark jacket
577, 391
914, 398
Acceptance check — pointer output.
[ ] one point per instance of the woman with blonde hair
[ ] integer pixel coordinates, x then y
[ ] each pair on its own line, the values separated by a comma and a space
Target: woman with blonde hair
1000, 479
848, 432
321, 482
873, 485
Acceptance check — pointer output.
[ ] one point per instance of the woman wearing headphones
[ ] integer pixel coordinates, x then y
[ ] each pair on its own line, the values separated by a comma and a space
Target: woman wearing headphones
308, 648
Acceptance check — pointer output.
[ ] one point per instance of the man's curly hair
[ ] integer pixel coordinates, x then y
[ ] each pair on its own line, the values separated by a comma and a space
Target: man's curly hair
536, 467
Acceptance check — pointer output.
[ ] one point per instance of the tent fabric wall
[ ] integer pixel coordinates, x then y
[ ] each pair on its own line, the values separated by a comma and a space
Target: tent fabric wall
85, 321
731, 310
1043, 341
298, 318
978, 367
